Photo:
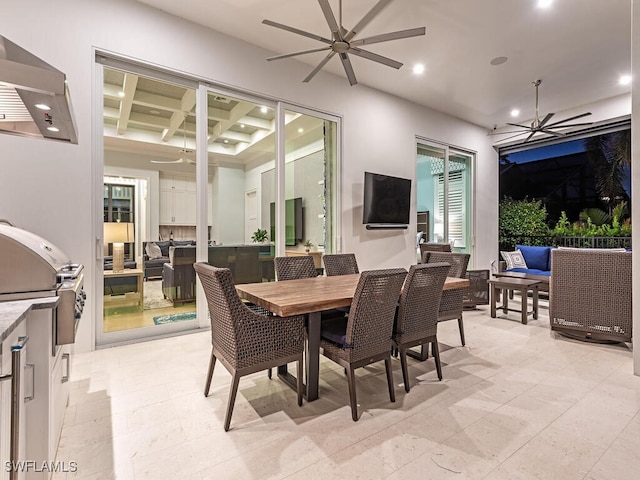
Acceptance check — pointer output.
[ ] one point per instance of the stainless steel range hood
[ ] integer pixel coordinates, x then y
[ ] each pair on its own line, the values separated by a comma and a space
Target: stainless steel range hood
34, 97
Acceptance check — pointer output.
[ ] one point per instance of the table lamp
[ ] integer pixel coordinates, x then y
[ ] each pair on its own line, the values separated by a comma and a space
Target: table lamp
118, 234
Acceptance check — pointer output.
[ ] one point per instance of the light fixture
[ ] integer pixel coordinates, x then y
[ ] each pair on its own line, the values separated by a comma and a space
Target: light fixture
242, 125
118, 234
498, 61
300, 130
42, 106
263, 109
226, 141
121, 94
625, 79
53, 129
418, 68
515, 112
544, 3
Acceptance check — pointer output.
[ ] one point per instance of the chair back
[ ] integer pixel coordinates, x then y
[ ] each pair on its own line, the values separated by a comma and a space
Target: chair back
458, 262
370, 321
427, 248
225, 307
420, 301
340, 264
293, 268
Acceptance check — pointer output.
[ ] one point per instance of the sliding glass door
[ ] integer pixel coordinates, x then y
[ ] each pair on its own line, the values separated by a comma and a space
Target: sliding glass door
444, 181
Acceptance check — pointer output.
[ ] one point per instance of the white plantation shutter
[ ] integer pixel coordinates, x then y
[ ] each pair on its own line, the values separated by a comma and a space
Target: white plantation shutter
456, 201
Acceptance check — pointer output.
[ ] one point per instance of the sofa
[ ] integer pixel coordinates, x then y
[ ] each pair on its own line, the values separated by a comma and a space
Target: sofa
153, 264
248, 264
536, 258
590, 294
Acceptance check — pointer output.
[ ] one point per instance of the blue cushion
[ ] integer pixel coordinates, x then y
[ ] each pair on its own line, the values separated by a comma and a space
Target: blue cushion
533, 271
536, 257
334, 330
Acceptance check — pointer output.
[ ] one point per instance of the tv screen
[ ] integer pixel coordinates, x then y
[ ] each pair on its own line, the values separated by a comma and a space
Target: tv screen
293, 221
387, 200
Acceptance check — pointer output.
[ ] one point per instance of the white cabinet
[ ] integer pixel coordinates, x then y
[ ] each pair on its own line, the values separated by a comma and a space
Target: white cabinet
177, 200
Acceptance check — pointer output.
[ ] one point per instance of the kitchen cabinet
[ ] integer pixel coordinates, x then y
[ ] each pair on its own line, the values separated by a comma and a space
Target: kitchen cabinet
177, 200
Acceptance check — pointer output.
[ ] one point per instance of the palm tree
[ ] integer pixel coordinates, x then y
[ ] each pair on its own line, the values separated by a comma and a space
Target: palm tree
611, 157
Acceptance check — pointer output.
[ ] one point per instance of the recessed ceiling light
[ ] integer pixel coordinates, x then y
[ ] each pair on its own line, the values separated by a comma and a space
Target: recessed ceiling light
300, 130
154, 112
53, 129
226, 141
121, 94
515, 112
42, 106
418, 68
263, 109
242, 125
498, 61
625, 79
544, 3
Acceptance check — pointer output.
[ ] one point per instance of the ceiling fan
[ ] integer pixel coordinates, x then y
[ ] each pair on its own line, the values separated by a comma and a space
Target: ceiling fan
543, 125
185, 154
343, 42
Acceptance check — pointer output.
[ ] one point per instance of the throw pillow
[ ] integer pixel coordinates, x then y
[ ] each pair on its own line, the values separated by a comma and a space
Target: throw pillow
153, 251
514, 259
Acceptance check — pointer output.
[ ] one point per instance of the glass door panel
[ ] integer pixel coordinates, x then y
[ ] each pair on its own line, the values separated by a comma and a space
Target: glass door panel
149, 186
310, 185
242, 186
430, 188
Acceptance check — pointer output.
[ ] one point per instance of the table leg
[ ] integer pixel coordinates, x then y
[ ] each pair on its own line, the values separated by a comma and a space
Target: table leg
523, 294
535, 302
494, 294
505, 300
312, 365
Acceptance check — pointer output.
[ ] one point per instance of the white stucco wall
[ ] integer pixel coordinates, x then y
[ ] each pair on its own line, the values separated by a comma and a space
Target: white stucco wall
379, 130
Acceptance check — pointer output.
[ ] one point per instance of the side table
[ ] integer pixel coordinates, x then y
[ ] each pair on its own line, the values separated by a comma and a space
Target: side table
522, 285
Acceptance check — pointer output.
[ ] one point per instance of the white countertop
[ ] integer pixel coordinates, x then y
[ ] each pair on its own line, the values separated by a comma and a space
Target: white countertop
14, 312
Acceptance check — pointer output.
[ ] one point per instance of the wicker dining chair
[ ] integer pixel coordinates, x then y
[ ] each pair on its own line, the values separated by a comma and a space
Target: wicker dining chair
417, 318
364, 336
340, 264
451, 303
244, 341
293, 268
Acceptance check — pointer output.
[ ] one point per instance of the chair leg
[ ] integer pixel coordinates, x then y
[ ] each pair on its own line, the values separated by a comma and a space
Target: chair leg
387, 364
351, 380
232, 400
212, 364
405, 372
300, 384
435, 350
461, 327
424, 351
269, 373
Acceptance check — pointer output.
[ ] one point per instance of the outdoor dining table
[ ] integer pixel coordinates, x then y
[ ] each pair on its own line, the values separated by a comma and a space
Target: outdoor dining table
310, 297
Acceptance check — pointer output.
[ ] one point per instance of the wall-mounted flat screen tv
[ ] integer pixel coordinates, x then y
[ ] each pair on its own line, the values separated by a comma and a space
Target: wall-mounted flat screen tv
387, 200
293, 221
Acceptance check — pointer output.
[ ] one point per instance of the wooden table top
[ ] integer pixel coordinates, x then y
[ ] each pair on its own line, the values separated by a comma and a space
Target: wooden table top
307, 295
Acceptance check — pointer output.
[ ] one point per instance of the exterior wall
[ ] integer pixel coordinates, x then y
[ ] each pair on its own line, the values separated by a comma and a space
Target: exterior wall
379, 130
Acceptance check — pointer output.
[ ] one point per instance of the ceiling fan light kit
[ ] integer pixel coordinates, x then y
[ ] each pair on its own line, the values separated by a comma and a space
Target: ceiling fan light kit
542, 126
343, 42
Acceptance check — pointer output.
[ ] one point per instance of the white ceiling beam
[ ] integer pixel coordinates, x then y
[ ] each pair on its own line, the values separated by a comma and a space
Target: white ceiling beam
126, 102
256, 122
187, 103
237, 112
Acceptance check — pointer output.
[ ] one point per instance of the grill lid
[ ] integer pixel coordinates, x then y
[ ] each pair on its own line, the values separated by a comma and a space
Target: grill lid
28, 262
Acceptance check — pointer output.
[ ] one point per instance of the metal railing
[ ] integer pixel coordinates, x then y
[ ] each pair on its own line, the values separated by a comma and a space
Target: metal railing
509, 243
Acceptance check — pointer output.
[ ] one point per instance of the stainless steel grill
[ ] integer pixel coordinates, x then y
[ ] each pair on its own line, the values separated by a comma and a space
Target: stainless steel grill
31, 267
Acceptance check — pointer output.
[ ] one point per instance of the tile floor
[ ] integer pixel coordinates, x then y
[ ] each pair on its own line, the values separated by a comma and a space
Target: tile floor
518, 402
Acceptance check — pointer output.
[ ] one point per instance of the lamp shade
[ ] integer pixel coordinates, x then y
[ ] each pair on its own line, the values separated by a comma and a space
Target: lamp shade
117, 232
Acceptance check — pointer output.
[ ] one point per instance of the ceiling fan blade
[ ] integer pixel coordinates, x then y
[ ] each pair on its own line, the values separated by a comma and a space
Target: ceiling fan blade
520, 132
587, 124
529, 137
330, 18
377, 8
375, 57
319, 67
546, 119
518, 125
348, 68
551, 132
512, 136
385, 37
298, 31
569, 119
287, 55
167, 161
